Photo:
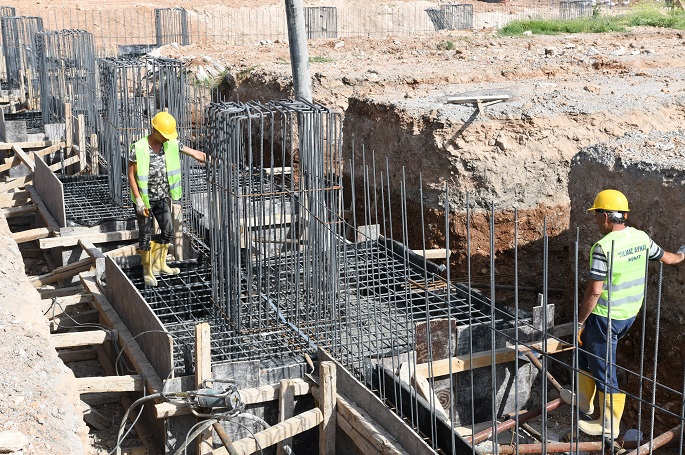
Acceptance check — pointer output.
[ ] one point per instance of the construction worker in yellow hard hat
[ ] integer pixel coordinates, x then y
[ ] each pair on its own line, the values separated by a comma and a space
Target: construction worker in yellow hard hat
609, 306
154, 175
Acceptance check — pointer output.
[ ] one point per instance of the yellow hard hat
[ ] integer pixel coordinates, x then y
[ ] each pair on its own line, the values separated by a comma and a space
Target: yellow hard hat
610, 200
165, 123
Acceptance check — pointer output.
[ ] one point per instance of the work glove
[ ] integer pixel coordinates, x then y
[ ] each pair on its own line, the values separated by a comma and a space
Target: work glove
681, 250
140, 207
581, 327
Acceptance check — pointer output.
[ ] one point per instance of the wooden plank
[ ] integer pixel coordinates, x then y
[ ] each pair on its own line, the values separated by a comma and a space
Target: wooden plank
13, 199
94, 418
61, 273
349, 386
61, 292
142, 429
74, 268
68, 126
77, 356
131, 383
90, 249
48, 150
30, 235
16, 183
22, 210
94, 155
81, 137
286, 409
130, 345
24, 157
364, 426
327, 403
203, 370
48, 219
266, 438
484, 358
10, 163
65, 163
28, 145
254, 395
435, 253
97, 237
76, 339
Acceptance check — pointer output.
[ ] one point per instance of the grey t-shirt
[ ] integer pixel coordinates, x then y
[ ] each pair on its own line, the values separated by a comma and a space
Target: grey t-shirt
157, 183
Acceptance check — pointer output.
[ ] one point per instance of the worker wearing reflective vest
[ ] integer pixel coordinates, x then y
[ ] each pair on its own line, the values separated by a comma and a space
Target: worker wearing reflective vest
154, 175
610, 304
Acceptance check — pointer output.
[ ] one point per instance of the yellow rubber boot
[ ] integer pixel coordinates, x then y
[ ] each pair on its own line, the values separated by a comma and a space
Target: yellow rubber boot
609, 421
149, 278
586, 392
159, 252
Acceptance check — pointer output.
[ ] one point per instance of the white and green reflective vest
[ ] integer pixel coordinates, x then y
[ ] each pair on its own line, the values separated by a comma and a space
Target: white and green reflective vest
627, 263
172, 159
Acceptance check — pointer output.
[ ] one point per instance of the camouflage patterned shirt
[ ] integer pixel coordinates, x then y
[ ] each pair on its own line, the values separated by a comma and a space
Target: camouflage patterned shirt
157, 184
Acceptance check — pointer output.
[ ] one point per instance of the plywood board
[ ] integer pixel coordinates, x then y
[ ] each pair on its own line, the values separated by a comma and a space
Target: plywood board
50, 190
349, 387
139, 318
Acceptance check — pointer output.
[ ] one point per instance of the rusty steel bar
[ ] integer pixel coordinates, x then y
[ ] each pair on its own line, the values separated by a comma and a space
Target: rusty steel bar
526, 416
659, 441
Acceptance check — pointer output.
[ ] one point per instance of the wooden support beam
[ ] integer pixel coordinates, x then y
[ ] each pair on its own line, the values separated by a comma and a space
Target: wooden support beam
81, 137
22, 210
69, 270
286, 409
364, 431
48, 150
435, 253
10, 163
77, 356
327, 403
94, 155
45, 214
61, 292
90, 249
255, 395
266, 438
13, 199
203, 370
24, 157
94, 418
131, 383
68, 126
30, 235
16, 183
130, 345
98, 237
67, 162
76, 339
29, 145
484, 358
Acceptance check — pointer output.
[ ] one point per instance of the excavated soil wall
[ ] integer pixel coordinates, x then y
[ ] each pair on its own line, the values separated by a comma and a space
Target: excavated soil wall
38, 397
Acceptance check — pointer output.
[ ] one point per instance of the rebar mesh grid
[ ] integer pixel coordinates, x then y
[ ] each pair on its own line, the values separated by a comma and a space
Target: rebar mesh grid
21, 59
133, 91
171, 25
88, 201
68, 75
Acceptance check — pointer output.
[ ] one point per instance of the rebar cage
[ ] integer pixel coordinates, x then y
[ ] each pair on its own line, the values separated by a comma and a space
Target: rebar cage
171, 26
133, 91
21, 60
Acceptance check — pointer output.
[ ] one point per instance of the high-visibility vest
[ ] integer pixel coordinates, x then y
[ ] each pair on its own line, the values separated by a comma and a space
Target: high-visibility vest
173, 169
627, 263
